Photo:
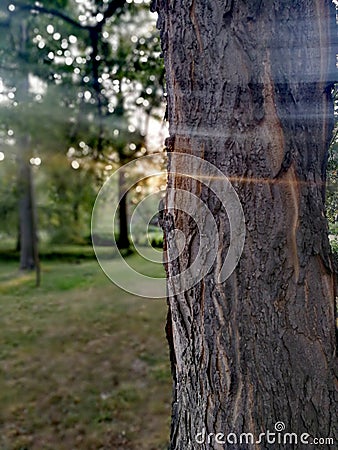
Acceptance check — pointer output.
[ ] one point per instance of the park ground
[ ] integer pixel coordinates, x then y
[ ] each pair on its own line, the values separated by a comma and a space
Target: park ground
84, 365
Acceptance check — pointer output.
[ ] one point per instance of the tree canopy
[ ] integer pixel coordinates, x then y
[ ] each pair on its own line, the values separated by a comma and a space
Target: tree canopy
81, 79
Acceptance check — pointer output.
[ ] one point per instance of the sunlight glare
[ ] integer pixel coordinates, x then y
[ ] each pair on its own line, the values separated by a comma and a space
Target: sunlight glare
75, 165
50, 29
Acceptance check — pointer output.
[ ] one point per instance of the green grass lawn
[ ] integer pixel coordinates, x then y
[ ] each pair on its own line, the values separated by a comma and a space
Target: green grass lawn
84, 365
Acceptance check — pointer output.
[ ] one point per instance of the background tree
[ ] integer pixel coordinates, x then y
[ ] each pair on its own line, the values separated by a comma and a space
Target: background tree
249, 90
8, 194
97, 73
28, 243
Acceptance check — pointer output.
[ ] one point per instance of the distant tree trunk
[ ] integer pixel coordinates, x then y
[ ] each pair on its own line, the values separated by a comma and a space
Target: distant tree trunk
18, 239
76, 208
29, 254
29, 258
249, 91
123, 237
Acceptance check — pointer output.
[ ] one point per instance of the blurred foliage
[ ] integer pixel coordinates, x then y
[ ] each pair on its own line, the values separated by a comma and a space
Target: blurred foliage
8, 198
332, 190
80, 80
107, 68
332, 179
66, 207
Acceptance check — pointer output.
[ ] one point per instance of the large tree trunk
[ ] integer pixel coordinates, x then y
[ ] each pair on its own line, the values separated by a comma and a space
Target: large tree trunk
249, 91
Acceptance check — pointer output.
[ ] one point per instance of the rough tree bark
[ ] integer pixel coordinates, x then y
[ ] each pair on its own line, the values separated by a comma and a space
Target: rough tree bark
249, 91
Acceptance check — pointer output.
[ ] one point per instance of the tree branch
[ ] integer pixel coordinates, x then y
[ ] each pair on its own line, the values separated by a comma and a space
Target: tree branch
112, 8
50, 11
109, 12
